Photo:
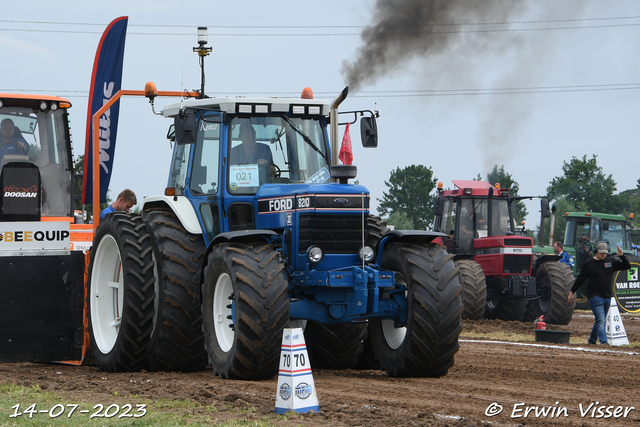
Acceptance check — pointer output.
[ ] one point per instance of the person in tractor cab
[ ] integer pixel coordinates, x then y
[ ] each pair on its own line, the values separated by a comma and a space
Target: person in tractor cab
599, 270
11, 139
125, 201
566, 257
250, 151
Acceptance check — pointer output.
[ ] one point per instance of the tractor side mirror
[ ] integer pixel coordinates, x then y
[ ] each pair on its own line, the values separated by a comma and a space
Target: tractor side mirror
369, 132
544, 208
438, 206
185, 128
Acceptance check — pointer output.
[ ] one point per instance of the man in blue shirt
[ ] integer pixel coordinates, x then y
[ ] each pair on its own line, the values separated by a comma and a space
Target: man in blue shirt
567, 258
125, 201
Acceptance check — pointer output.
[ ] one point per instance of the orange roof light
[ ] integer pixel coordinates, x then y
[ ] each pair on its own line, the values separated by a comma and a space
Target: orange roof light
440, 186
150, 90
307, 93
497, 185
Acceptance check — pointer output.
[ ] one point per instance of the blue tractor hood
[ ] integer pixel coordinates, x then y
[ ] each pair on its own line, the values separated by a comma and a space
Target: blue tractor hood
288, 190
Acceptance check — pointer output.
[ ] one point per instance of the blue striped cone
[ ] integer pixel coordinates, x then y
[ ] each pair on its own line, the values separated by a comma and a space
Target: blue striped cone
616, 335
296, 390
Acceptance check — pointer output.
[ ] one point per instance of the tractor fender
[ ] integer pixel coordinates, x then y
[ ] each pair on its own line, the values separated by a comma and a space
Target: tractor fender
538, 261
236, 235
181, 206
413, 236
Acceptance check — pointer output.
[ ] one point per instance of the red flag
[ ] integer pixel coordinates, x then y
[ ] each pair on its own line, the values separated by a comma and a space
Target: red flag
346, 154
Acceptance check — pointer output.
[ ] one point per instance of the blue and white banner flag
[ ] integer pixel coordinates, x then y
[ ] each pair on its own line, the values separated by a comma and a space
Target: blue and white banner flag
106, 81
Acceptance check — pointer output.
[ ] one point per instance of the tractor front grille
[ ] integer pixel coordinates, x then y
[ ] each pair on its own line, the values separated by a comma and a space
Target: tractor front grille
517, 264
519, 242
334, 234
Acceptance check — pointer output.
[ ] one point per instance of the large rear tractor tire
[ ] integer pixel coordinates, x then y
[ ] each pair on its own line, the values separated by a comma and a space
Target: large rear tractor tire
474, 289
177, 339
121, 293
245, 307
334, 346
427, 345
557, 279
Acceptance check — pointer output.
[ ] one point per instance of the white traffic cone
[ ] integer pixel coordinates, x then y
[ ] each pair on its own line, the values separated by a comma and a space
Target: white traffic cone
296, 390
616, 335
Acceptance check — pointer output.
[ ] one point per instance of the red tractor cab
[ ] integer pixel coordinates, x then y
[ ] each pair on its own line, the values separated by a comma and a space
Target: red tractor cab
501, 279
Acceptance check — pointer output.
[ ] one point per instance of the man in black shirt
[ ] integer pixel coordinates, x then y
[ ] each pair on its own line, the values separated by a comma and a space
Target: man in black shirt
599, 270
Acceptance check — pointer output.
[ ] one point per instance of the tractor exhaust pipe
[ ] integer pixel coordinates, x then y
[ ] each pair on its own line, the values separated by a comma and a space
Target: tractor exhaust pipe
333, 118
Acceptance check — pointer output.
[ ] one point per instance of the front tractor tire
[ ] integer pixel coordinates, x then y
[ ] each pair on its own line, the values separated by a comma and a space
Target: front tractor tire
245, 307
120, 295
177, 339
556, 279
427, 345
474, 289
334, 346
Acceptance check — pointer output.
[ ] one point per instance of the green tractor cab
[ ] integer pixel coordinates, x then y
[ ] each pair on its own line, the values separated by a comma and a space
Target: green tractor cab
582, 231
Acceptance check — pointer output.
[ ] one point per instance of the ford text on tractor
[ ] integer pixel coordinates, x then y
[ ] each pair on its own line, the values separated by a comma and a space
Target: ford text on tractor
582, 231
42, 241
259, 228
499, 275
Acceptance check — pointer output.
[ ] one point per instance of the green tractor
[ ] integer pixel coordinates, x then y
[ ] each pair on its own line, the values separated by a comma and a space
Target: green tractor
582, 231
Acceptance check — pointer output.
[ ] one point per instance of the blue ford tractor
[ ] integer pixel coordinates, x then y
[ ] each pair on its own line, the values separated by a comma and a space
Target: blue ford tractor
238, 248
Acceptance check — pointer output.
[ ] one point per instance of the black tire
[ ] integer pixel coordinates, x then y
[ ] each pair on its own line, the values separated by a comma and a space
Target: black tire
120, 294
246, 281
334, 346
376, 228
506, 309
426, 347
177, 339
474, 289
367, 359
556, 278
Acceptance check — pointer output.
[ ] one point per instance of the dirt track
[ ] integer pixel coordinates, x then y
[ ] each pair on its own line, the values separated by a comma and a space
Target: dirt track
487, 376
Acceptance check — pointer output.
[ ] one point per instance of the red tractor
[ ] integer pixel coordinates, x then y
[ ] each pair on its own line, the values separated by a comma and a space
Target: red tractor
499, 275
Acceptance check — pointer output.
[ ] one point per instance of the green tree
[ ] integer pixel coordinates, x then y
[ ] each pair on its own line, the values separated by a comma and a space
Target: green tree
400, 221
506, 181
78, 169
585, 187
409, 191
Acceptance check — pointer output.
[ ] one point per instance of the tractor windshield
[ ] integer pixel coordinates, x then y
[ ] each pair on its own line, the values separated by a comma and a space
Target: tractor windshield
42, 139
477, 219
616, 234
275, 149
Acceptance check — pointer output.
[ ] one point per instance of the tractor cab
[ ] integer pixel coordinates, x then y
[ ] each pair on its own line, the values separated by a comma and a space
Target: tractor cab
35, 157
474, 210
584, 229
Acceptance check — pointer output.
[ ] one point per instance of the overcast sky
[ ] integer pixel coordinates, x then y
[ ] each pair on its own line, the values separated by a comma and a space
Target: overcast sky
524, 84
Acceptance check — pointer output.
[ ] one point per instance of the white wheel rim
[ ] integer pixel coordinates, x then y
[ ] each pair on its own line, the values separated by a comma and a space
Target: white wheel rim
392, 335
106, 294
224, 334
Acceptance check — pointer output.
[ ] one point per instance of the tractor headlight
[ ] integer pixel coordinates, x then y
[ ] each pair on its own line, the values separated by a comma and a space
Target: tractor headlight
315, 254
367, 253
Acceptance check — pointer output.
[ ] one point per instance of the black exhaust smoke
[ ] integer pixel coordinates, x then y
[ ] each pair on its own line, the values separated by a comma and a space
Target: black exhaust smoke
402, 30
